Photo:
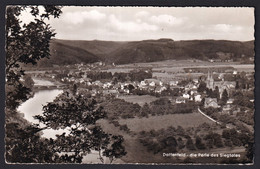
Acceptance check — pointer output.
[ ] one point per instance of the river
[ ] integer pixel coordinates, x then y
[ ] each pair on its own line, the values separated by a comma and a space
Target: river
33, 106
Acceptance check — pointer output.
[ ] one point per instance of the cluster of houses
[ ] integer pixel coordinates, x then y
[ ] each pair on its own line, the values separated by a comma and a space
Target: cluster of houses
189, 91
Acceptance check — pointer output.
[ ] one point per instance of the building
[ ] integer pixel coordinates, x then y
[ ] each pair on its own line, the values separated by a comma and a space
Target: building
211, 102
153, 82
197, 97
226, 109
186, 95
230, 101
222, 85
173, 83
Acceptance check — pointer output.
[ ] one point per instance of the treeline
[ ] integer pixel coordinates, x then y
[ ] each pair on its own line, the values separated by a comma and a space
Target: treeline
138, 75
116, 108
178, 139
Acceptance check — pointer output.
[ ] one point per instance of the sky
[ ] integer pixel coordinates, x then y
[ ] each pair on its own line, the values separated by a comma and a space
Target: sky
141, 23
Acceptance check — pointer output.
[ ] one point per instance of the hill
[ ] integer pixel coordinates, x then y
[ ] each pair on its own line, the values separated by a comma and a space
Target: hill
150, 51
75, 51
62, 53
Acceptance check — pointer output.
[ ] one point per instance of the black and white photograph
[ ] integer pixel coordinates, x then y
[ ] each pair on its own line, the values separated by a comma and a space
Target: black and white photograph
129, 85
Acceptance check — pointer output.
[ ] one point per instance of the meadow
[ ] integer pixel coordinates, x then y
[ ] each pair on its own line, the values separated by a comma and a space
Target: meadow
165, 121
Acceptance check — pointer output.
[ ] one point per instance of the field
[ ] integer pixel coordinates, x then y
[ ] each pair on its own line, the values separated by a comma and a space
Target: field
170, 69
141, 100
165, 121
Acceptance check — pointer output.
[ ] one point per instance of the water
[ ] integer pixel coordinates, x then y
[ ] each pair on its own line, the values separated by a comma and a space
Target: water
33, 106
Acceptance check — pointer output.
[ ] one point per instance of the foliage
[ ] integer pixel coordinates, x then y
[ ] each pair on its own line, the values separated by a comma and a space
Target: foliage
26, 43
199, 143
214, 139
24, 145
116, 108
78, 114
202, 87
224, 97
190, 144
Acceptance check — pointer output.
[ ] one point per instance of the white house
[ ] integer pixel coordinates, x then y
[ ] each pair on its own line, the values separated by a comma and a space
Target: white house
186, 95
197, 98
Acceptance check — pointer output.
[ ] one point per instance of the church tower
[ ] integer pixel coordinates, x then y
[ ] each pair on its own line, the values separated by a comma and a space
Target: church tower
210, 81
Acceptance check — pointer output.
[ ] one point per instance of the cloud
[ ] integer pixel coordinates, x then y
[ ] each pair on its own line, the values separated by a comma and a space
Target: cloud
167, 19
130, 26
227, 28
142, 14
80, 17
138, 23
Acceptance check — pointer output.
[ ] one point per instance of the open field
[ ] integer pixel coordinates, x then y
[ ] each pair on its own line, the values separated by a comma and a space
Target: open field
141, 100
178, 63
176, 66
165, 121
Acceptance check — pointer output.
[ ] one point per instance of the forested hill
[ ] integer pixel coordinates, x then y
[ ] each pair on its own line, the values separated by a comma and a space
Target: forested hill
71, 51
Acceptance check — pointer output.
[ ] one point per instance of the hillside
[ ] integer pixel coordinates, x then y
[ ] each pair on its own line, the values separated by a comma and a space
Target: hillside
62, 53
71, 51
149, 51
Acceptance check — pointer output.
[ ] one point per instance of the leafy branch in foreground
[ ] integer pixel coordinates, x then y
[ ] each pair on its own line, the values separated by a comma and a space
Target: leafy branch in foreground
78, 114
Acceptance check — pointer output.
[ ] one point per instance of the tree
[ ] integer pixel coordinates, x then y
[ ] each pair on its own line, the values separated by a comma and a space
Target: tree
224, 97
25, 44
199, 144
216, 93
28, 81
202, 87
79, 114
189, 144
145, 110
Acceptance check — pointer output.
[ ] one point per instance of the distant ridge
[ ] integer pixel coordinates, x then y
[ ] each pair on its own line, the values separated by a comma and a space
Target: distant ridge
78, 51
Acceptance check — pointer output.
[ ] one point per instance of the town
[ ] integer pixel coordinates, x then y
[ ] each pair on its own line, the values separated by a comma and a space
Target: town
219, 97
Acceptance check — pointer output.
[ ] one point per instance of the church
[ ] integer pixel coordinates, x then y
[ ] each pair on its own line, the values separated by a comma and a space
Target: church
222, 84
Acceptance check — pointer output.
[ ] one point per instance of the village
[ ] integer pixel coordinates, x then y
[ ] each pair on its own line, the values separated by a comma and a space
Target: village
215, 88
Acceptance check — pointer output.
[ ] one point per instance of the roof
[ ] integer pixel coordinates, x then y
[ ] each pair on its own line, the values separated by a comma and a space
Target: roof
209, 100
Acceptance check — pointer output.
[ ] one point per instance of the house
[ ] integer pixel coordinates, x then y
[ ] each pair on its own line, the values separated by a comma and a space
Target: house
153, 82
173, 83
159, 89
186, 95
197, 97
226, 109
230, 101
193, 91
107, 85
180, 100
190, 86
142, 83
211, 102
196, 81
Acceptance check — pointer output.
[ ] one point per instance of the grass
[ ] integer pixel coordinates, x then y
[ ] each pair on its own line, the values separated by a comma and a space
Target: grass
165, 121
141, 100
